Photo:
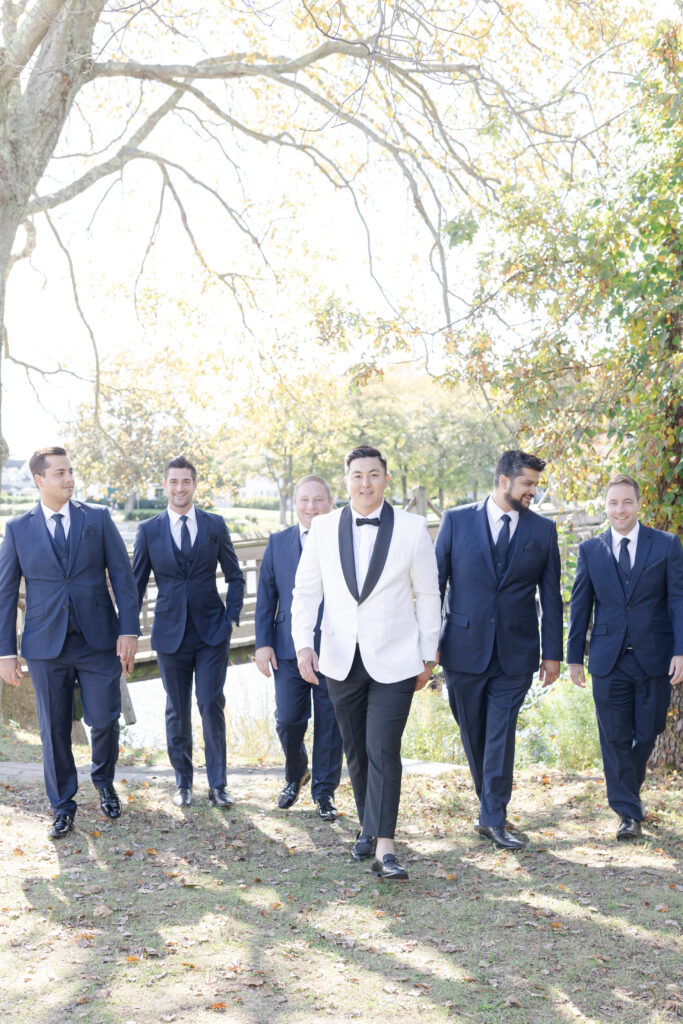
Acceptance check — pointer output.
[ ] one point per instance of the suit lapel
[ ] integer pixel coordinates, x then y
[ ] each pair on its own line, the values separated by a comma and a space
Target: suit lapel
485, 536
525, 525
202, 534
167, 539
611, 567
77, 517
42, 535
348, 562
295, 547
380, 550
642, 554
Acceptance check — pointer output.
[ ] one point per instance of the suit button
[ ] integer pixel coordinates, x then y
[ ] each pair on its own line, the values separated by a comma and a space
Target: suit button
493, 620
64, 606
628, 607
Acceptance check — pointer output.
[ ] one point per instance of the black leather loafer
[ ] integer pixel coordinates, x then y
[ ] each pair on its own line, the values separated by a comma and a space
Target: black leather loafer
292, 791
364, 847
61, 826
629, 828
109, 802
389, 869
182, 796
500, 837
219, 796
326, 809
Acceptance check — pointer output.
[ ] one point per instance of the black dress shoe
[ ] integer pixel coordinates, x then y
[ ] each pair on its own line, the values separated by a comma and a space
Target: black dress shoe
500, 837
389, 868
364, 847
629, 828
109, 802
61, 826
326, 809
219, 796
290, 794
183, 796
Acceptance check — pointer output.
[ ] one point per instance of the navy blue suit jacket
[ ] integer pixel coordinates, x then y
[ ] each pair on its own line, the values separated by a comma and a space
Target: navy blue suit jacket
653, 615
95, 545
274, 597
478, 609
154, 552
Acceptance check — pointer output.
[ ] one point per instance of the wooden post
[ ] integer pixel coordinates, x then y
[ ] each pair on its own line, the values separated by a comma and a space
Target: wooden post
419, 501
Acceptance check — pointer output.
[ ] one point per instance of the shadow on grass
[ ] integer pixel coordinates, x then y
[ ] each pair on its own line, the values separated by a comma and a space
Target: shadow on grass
263, 916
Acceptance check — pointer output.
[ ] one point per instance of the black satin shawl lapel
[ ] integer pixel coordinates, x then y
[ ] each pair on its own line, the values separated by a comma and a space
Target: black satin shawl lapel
348, 562
380, 550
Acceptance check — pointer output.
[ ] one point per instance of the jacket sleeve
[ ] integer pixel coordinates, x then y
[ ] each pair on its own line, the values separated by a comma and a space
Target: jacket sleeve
674, 584
580, 610
552, 625
444, 540
142, 564
425, 580
122, 579
266, 600
10, 578
233, 574
308, 593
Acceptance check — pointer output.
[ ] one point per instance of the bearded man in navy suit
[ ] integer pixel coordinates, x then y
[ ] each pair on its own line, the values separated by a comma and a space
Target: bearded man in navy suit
631, 579
72, 632
191, 634
275, 647
493, 556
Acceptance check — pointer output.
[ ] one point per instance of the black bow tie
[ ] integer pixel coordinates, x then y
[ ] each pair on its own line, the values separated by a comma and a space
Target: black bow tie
368, 522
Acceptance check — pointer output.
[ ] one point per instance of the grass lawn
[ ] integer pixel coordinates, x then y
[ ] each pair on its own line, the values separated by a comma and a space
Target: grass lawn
259, 915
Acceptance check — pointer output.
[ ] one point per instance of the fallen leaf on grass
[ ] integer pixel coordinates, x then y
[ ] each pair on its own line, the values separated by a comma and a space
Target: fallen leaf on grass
96, 834
132, 959
151, 851
254, 982
661, 908
18, 852
555, 924
218, 1007
391, 989
512, 1001
101, 910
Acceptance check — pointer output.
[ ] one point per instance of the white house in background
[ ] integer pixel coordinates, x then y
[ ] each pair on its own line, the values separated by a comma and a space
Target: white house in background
258, 487
16, 477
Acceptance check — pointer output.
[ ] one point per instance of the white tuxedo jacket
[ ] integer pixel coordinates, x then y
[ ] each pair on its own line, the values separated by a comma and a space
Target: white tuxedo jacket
395, 619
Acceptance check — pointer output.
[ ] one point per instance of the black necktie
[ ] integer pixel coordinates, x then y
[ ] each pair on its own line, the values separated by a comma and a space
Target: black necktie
624, 559
503, 542
185, 542
59, 535
367, 522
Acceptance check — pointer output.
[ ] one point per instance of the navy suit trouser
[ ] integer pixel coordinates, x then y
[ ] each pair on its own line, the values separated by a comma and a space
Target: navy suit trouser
486, 706
208, 664
98, 674
631, 708
293, 698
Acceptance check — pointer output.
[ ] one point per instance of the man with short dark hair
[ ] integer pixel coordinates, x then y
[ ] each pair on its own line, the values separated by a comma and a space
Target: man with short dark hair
275, 647
493, 555
72, 633
191, 634
374, 565
631, 579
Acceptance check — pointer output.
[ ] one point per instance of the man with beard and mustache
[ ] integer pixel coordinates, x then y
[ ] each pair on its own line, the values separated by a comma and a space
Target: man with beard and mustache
492, 556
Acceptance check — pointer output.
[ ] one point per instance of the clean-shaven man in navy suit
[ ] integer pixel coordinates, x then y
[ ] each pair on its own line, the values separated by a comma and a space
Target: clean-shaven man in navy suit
493, 556
275, 647
630, 578
191, 633
374, 566
72, 632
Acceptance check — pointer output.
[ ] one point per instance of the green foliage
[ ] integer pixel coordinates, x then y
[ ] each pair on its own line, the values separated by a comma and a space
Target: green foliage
431, 733
557, 728
461, 230
268, 504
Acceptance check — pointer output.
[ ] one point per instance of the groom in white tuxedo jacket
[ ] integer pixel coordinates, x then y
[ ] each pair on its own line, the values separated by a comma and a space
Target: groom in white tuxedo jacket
375, 568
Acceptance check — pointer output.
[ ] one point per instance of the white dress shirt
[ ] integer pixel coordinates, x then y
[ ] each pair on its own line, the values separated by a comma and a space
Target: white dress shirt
495, 514
176, 525
303, 534
364, 538
633, 542
65, 511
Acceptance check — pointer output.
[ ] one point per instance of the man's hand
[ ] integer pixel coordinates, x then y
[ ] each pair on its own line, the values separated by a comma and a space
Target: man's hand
424, 676
307, 660
264, 658
549, 672
576, 674
676, 669
126, 646
10, 671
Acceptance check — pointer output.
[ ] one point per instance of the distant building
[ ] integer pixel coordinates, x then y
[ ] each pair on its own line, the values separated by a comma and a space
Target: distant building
17, 478
258, 487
